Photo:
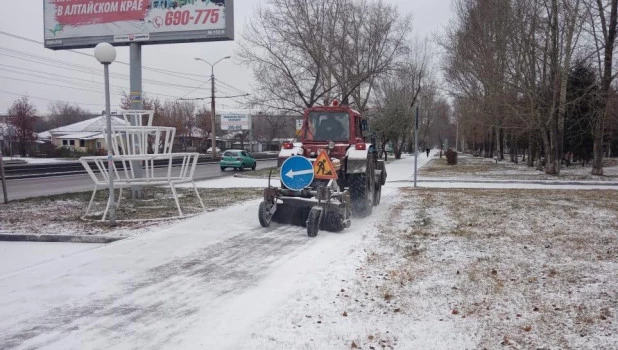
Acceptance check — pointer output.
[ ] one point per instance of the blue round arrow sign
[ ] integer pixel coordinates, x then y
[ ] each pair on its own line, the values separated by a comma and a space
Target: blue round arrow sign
296, 173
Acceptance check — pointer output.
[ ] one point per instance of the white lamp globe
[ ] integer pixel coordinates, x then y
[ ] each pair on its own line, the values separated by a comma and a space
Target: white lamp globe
105, 53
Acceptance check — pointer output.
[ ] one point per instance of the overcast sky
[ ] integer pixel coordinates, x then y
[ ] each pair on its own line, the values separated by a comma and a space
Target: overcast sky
27, 68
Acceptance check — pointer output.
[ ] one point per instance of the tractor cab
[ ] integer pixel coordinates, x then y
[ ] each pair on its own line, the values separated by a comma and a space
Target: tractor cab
332, 127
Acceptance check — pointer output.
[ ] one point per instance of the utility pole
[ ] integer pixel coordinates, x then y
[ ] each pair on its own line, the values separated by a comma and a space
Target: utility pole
251, 133
415, 145
6, 197
212, 104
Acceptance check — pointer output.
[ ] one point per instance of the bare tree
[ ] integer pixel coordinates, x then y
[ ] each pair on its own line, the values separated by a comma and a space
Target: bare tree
305, 53
22, 118
62, 113
180, 115
395, 95
366, 42
268, 127
600, 13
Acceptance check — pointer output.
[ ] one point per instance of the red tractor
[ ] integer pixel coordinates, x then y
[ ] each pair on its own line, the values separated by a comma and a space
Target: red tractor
328, 204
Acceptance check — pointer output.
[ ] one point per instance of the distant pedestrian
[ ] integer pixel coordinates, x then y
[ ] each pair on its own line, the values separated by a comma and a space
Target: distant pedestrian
427, 150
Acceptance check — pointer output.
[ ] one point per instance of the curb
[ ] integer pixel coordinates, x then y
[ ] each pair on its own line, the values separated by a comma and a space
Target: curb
58, 238
243, 176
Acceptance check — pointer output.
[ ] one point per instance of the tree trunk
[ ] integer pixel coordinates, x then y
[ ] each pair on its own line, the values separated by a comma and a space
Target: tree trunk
609, 41
532, 149
597, 148
501, 142
492, 146
539, 163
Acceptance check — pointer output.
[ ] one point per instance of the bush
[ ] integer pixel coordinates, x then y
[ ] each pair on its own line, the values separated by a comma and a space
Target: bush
451, 157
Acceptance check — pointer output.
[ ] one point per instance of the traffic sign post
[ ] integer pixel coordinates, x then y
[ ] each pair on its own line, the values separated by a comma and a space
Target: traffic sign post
296, 173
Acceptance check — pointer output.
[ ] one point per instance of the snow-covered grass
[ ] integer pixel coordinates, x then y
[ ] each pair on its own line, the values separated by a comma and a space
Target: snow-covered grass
477, 167
62, 214
527, 268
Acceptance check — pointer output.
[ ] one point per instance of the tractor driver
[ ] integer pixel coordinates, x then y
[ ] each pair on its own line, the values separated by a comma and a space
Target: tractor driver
330, 128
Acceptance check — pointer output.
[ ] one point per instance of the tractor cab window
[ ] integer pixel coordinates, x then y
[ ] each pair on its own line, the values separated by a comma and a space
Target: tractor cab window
328, 126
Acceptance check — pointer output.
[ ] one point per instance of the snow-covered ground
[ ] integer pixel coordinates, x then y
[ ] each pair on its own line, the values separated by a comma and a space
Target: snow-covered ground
17, 256
417, 274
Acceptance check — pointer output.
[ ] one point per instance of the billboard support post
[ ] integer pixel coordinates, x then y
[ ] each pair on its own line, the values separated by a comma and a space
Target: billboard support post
213, 114
135, 97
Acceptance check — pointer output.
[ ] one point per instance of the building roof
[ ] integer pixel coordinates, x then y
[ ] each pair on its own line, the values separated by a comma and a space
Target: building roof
96, 124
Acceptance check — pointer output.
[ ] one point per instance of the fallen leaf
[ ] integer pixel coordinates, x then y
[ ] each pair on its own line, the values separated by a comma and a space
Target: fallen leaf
455, 312
505, 341
354, 346
370, 337
345, 314
527, 328
397, 310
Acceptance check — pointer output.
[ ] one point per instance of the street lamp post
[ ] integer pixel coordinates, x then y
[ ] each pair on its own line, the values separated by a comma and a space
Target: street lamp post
212, 104
106, 54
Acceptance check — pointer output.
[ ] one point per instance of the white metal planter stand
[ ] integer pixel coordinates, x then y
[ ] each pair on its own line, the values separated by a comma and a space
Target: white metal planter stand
139, 144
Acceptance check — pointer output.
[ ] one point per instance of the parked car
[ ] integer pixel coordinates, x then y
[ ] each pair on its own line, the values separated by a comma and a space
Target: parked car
209, 151
237, 159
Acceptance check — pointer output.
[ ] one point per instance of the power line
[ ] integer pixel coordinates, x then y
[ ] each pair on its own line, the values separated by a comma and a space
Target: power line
71, 78
81, 68
56, 85
52, 100
182, 75
209, 97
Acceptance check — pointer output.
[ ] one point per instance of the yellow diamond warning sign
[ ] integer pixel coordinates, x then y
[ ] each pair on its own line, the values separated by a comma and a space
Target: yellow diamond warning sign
323, 168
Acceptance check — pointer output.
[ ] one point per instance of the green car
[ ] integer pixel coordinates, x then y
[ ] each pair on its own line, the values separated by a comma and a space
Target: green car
237, 159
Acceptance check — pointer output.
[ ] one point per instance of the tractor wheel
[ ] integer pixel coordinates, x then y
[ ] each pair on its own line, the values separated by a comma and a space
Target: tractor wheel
254, 166
362, 191
313, 222
264, 214
377, 196
222, 168
242, 167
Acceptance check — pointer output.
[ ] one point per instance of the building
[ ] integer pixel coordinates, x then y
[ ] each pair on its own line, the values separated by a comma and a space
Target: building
85, 136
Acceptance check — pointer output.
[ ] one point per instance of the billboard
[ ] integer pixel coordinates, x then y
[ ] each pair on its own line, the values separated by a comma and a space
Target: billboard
71, 24
235, 122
